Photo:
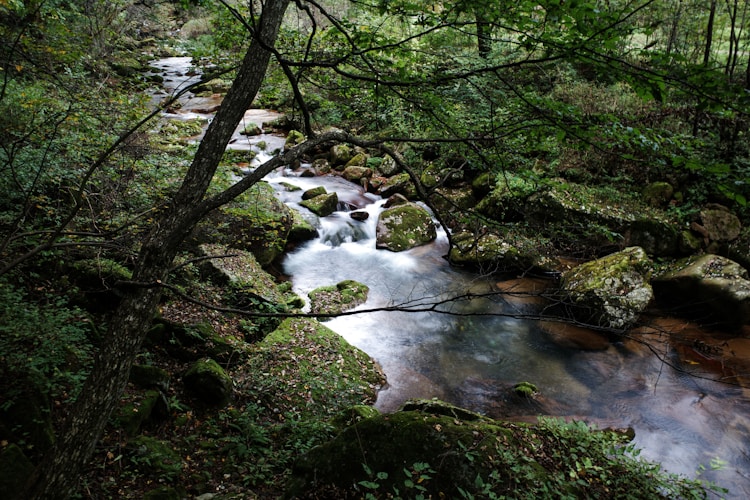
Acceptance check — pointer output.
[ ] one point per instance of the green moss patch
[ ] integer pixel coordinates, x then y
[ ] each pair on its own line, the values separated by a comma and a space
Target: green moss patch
305, 368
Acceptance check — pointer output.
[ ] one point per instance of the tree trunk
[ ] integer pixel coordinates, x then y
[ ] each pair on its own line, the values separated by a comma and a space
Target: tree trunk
57, 475
484, 34
709, 34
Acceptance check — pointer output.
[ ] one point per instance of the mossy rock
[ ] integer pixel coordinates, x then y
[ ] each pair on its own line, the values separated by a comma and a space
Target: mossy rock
358, 160
256, 221
15, 469
355, 173
149, 376
209, 382
610, 292
294, 138
390, 444
322, 205
709, 287
431, 451
658, 194
302, 230
155, 457
314, 192
251, 129
306, 368
148, 407
398, 184
336, 299
491, 252
352, 415
340, 155
403, 227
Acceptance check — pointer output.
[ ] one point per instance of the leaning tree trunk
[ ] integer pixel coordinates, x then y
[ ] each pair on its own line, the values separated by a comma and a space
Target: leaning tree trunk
57, 475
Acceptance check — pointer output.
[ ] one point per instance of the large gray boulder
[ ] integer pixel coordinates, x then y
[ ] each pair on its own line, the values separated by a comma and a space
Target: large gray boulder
403, 227
610, 292
710, 287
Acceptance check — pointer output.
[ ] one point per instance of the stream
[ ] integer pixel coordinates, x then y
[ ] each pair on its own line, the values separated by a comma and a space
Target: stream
475, 351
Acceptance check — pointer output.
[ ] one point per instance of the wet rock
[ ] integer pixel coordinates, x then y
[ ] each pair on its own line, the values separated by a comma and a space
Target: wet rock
302, 230
739, 249
341, 297
610, 292
313, 192
710, 287
209, 382
403, 227
359, 215
322, 205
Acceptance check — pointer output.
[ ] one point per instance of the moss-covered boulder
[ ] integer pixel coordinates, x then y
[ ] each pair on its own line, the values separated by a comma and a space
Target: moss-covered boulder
314, 192
15, 469
154, 457
305, 368
356, 173
388, 167
658, 194
256, 221
149, 377
193, 341
302, 230
575, 216
338, 298
358, 160
436, 450
293, 138
398, 184
340, 154
209, 382
708, 287
610, 292
489, 252
322, 205
403, 227
139, 410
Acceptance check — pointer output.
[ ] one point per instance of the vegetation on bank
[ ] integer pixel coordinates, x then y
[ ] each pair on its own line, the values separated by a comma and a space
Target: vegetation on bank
582, 95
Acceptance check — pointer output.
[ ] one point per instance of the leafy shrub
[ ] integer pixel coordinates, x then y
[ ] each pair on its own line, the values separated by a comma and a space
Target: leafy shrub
46, 345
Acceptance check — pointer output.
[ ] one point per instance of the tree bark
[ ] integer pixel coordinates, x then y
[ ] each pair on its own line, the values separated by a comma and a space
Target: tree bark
709, 34
57, 475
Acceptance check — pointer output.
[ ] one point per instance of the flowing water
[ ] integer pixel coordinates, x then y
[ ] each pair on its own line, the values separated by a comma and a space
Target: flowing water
474, 351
